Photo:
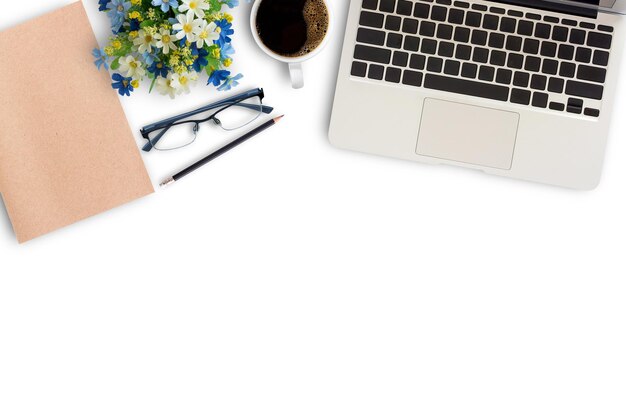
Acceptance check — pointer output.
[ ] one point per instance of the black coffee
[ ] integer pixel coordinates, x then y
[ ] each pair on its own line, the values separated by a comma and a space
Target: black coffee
292, 28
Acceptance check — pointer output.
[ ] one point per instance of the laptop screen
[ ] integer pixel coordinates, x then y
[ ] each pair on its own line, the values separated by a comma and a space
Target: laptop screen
607, 6
587, 8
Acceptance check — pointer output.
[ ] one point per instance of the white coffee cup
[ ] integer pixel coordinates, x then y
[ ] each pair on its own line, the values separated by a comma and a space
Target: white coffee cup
295, 63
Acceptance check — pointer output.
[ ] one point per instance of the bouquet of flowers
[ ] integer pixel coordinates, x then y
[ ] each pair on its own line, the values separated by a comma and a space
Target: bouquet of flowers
169, 42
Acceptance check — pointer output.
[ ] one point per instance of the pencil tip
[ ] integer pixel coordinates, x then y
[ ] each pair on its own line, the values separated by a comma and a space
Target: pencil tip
276, 120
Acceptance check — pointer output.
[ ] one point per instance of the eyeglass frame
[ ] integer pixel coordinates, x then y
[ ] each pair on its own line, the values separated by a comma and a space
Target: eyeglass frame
167, 124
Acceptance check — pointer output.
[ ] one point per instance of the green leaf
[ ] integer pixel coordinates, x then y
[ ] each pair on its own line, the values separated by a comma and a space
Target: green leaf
115, 64
146, 23
216, 6
152, 84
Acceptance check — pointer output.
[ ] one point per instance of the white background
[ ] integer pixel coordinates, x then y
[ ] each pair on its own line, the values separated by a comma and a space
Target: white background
289, 276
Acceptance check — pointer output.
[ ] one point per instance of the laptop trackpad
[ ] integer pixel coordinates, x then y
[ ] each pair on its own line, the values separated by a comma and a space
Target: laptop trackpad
466, 133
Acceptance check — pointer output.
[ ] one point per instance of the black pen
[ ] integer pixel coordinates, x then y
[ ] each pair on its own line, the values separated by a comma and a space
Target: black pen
221, 151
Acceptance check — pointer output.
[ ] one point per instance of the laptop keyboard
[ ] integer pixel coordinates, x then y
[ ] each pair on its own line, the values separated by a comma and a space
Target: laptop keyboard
494, 53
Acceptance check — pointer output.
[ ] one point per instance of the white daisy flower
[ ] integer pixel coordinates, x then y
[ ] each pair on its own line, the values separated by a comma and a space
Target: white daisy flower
181, 82
196, 7
145, 41
132, 67
165, 41
187, 26
206, 33
164, 86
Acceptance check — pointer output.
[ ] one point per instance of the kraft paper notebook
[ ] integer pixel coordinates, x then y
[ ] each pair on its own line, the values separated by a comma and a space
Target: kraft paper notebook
66, 150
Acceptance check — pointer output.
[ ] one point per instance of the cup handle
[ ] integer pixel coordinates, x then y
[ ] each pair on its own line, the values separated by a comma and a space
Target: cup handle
297, 75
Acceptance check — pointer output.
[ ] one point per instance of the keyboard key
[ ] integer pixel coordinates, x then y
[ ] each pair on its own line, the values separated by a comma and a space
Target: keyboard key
556, 85
358, 69
496, 40
479, 37
370, 36
463, 52
491, 22
607, 29
472, 19
456, 16
548, 49
387, 6
466, 87
525, 27
400, 59
550, 19
427, 29
542, 31
520, 96
479, 7
429, 46
497, 10
567, 69
376, 72
446, 49
557, 106
393, 23
550, 67
394, 40
587, 25
434, 64
560, 33
486, 73
469, 70
532, 64
540, 100
592, 112
393, 74
452, 67
507, 25
411, 43
566, 52
370, 19
513, 43
531, 46
574, 105
577, 36
404, 8
412, 78
462, 34
521, 79
372, 54
417, 62
444, 31
409, 26
370, 4
515, 13
569, 22
515, 61
421, 10
480, 55
584, 90
463, 4
504, 76
599, 40
538, 82
594, 74
600, 58
498, 58
583, 54
439, 14
533, 16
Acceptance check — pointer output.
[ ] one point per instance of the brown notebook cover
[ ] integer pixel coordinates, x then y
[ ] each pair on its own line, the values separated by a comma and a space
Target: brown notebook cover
66, 150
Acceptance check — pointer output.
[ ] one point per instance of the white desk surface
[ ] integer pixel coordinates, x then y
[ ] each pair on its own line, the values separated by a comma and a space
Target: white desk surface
289, 276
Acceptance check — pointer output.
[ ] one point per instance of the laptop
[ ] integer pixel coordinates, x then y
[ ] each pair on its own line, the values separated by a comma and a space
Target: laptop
517, 88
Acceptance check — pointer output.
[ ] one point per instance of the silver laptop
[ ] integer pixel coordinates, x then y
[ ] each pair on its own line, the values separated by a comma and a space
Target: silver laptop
518, 88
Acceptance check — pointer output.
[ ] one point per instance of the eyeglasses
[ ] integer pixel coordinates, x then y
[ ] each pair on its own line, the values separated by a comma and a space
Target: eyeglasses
228, 114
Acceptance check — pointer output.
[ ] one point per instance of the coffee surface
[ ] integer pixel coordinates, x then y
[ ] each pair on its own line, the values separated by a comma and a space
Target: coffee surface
292, 28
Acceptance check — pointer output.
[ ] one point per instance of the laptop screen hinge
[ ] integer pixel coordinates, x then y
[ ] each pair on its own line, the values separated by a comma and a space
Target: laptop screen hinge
554, 6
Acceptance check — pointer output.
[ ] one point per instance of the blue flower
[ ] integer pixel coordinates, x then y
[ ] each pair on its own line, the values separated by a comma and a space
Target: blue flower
159, 69
117, 13
134, 25
201, 60
225, 31
101, 58
227, 51
218, 76
230, 83
148, 58
231, 3
122, 84
104, 5
165, 4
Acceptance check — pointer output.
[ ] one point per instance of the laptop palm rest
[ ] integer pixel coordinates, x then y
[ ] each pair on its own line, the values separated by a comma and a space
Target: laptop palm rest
466, 133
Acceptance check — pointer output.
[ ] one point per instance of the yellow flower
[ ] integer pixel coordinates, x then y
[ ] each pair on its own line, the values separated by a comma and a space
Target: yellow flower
135, 83
116, 44
135, 3
109, 50
216, 53
174, 59
228, 17
135, 15
151, 14
133, 34
228, 62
